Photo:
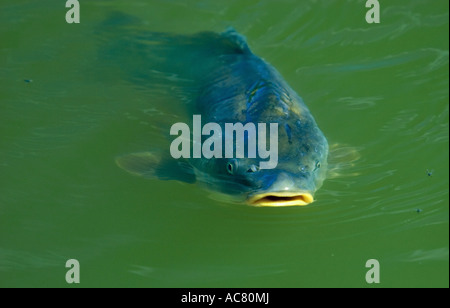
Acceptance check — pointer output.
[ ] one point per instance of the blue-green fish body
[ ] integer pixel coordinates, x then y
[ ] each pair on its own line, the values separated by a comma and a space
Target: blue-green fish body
234, 85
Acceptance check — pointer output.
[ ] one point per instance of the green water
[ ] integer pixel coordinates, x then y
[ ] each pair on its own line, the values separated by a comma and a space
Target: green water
379, 91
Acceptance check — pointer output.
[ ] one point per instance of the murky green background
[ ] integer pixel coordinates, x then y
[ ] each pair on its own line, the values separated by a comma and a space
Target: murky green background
379, 89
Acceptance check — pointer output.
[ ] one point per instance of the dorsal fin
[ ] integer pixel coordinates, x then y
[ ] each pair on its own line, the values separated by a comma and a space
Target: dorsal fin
238, 39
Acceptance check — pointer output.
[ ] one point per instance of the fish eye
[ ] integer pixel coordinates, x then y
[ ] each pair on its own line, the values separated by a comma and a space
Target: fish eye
253, 168
231, 167
318, 165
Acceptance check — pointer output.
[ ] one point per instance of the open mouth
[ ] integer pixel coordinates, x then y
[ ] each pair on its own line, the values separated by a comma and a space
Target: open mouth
281, 199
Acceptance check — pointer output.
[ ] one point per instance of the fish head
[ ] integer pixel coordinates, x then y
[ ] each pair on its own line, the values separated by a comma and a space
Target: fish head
301, 169
291, 183
299, 173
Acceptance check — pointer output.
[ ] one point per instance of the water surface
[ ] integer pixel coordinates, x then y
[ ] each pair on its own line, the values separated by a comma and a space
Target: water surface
378, 92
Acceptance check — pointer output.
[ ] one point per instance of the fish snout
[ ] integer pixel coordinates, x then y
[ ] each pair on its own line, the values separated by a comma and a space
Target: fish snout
281, 198
284, 191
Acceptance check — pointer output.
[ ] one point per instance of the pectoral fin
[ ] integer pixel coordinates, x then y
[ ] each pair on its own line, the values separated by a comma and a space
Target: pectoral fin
154, 166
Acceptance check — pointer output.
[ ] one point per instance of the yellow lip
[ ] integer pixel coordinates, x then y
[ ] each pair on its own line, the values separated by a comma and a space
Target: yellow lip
281, 199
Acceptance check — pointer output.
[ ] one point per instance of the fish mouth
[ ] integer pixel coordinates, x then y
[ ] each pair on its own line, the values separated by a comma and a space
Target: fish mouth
281, 199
